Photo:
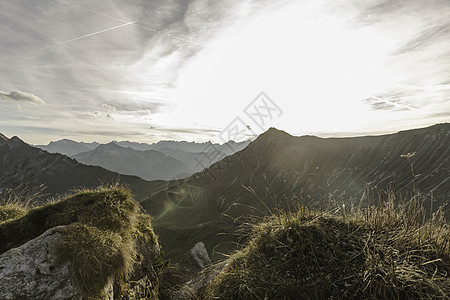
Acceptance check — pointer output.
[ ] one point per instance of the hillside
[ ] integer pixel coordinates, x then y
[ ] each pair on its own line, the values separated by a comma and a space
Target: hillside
24, 165
148, 164
321, 172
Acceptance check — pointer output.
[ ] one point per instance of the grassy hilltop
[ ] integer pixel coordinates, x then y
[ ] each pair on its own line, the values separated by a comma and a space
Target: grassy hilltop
384, 253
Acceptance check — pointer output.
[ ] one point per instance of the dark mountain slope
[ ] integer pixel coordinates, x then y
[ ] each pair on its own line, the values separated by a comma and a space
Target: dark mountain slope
319, 171
21, 164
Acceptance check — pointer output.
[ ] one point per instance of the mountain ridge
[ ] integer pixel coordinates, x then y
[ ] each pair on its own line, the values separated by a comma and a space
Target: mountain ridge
25, 166
319, 171
68, 147
148, 164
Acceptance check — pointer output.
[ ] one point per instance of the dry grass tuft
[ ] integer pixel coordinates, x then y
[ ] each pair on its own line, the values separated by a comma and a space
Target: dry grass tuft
383, 252
15, 203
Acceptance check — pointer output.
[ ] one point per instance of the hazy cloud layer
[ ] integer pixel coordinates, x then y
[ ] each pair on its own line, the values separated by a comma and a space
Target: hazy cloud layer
21, 97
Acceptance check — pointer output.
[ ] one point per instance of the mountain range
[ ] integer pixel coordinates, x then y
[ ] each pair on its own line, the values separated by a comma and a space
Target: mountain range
148, 164
22, 165
163, 160
68, 147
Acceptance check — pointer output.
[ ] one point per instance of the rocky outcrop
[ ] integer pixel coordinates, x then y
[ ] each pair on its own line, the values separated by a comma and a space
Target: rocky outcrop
32, 271
191, 264
195, 287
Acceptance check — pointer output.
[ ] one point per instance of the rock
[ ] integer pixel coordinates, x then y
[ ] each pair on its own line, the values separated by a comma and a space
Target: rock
147, 254
196, 259
191, 264
194, 287
31, 271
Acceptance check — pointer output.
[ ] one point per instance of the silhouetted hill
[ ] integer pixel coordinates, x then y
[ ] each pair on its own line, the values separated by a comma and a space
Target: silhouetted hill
22, 164
149, 164
321, 172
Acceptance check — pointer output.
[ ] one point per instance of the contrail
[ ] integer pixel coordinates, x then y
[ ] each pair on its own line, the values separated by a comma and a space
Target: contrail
88, 35
126, 22
137, 25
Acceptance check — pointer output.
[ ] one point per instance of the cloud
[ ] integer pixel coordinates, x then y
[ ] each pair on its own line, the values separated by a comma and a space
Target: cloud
96, 115
427, 37
21, 97
139, 75
430, 102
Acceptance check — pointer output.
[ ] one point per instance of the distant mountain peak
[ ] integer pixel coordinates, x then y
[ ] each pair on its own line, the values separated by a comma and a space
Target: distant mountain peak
112, 144
274, 130
273, 134
2, 137
108, 147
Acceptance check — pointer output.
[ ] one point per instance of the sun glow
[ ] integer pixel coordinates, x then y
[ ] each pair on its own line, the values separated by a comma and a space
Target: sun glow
310, 62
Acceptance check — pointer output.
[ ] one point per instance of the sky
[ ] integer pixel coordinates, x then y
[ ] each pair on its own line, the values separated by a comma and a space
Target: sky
199, 70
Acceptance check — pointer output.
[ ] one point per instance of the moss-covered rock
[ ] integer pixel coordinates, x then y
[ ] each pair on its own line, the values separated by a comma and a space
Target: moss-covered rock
105, 240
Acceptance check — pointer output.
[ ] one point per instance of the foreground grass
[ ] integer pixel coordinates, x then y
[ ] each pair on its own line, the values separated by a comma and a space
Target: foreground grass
99, 240
379, 253
11, 211
15, 203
